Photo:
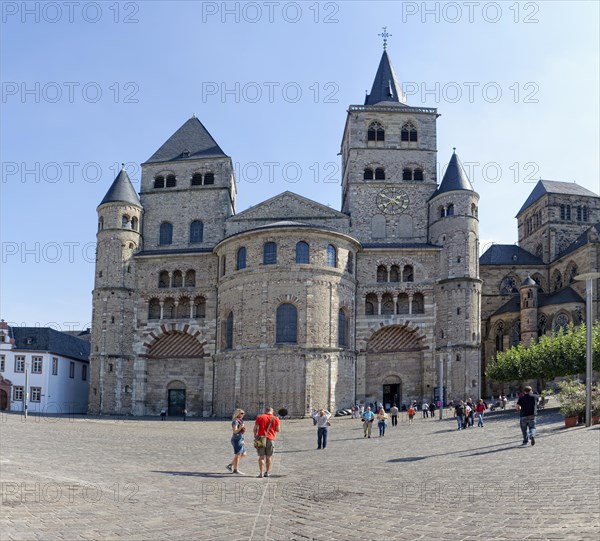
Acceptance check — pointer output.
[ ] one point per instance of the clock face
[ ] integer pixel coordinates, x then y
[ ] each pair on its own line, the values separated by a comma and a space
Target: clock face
392, 200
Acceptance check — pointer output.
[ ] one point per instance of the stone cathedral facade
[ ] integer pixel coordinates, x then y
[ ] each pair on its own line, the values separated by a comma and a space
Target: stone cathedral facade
291, 303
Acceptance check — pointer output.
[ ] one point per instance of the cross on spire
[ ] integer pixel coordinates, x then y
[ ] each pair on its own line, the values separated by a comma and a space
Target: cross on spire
385, 36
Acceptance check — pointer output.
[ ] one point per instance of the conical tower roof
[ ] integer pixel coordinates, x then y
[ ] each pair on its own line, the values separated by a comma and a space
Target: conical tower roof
386, 87
122, 191
455, 178
190, 142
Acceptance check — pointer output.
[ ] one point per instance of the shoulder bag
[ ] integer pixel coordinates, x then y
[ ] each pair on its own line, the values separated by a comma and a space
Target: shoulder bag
260, 442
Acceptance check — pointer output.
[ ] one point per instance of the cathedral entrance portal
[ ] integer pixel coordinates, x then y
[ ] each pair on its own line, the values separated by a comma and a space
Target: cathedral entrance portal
3, 400
391, 395
176, 402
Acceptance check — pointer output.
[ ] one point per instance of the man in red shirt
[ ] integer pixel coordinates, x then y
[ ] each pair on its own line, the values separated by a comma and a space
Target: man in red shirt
266, 425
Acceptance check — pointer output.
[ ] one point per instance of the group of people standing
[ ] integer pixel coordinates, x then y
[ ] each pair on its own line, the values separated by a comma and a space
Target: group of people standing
465, 412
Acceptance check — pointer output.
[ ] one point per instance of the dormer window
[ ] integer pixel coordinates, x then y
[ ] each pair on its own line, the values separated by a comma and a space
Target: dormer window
408, 132
159, 182
375, 132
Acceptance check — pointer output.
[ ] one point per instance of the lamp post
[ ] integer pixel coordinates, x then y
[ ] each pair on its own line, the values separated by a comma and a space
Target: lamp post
589, 278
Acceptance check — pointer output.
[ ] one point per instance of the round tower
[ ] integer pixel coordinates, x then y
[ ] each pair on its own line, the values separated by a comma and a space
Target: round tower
529, 310
113, 318
454, 226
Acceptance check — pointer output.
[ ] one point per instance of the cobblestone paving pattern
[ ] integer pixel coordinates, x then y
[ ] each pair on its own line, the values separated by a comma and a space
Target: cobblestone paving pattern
143, 479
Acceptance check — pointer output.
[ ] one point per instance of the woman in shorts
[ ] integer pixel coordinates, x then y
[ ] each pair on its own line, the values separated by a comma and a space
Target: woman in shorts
237, 441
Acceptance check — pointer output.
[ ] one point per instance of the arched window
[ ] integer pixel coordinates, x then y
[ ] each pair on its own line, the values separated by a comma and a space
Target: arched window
240, 262
570, 273
190, 278
101, 223
375, 132
395, 273
183, 308
177, 279
197, 179
450, 210
387, 304
269, 253
561, 322
286, 324
508, 286
499, 336
408, 274
350, 263
229, 332
165, 234
537, 278
379, 174
169, 311
302, 252
171, 181
418, 304
154, 309
125, 222
342, 328
163, 279
402, 306
134, 223
406, 174
159, 181
557, 281
542, 325
223, 265
382, 273
196, 231
199, 307
408, 132
331, 256
209, 178
371, 304
539, 251
418, 174
368, 174
515, 333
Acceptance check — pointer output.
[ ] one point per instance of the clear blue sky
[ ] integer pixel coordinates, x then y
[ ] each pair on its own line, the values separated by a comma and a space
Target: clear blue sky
87, 87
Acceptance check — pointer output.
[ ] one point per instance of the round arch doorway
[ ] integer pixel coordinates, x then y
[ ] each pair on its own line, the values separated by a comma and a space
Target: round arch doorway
176, 398
392, 392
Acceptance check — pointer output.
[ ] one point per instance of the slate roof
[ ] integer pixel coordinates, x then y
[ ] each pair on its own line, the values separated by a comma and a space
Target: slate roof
121, 190
190, 142
508, 254
544, 187
47, 339
399, 245
386, 87
582, 240
455, 178
564, 296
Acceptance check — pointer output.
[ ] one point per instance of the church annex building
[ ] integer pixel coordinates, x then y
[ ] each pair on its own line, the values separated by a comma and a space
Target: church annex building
297, 305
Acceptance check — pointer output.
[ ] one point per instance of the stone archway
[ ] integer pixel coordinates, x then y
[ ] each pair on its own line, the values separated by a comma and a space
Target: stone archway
392, 391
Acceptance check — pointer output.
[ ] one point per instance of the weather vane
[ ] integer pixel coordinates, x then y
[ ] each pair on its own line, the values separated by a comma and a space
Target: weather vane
385, 36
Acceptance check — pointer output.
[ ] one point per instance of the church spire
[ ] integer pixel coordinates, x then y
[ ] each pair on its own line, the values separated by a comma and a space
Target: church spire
455, 177
386, 87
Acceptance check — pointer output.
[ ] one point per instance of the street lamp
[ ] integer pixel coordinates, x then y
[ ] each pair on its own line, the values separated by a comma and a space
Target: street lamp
589, 278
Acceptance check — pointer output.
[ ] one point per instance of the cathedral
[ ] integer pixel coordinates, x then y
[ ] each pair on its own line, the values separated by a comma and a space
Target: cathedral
294, 304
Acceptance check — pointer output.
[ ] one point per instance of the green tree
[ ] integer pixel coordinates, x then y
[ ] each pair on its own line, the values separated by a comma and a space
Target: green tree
560, 354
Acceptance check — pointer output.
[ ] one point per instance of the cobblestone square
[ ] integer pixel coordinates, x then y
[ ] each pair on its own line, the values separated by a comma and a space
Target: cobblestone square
143, 479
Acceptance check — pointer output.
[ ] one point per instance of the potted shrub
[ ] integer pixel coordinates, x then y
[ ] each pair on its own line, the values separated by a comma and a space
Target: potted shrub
572, 401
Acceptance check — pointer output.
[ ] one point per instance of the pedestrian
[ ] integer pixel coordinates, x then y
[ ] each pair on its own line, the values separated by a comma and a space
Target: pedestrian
425, 409
184, 413
480, 409
313, 414
432, 409
266, 425
471, 416
321, 419
411, 414
367, 417
468, 411
526, 406
163, 414
382, 417
237, 441
459, 413
394, 415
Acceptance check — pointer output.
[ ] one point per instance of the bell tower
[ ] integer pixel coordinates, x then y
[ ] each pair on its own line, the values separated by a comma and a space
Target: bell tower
388, 163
